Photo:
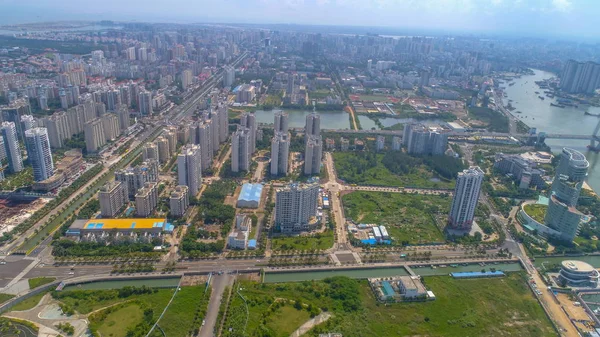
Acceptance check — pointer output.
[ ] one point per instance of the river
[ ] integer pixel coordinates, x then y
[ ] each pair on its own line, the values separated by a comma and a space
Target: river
539, 114
297, 118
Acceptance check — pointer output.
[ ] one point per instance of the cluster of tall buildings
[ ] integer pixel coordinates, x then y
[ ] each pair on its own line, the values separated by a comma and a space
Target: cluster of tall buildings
524, 171
562, 214
209, 132
580, 77
421, 140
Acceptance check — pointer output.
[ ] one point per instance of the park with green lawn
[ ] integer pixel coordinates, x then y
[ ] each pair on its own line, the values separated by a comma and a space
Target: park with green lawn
396, 168
409, 218
463, 307
130, 310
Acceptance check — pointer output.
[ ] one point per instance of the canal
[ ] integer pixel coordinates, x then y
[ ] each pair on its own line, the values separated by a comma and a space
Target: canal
297, 118
384, 272
170, 282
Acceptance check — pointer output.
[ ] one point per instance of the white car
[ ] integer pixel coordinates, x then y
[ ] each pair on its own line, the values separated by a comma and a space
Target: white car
71, 273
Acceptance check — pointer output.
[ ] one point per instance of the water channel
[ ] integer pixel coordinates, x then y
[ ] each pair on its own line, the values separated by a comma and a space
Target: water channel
538, 113
170, 282
384, 272
297, 118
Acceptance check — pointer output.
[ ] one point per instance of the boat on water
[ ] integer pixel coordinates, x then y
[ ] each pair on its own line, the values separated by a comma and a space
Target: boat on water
587, 113
541, 97
537, 92
518, 111
511, 84
557, 105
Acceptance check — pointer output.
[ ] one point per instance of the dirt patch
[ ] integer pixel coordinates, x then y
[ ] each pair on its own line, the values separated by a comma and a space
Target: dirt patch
193, 280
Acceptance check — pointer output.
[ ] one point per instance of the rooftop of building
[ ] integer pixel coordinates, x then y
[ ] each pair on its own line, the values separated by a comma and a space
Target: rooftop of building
251, 192
131, 223
577, 266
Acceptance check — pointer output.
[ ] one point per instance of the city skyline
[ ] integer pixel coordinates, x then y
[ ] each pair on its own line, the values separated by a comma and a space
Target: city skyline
558, 18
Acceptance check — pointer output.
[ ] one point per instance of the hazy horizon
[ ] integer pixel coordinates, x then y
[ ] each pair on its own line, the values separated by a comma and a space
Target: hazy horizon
572, 19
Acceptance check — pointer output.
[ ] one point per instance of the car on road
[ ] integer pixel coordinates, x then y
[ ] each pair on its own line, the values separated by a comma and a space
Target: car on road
71, 273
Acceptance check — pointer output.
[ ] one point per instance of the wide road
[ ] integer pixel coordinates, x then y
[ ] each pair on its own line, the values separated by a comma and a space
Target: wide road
218, 284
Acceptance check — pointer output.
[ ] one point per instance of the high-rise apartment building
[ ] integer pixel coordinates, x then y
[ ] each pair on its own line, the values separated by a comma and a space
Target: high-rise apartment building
466, 196
281, 120
313, 153
94, 135
39, 154
189, 170
164, 150
135, 177
248, 120
313, 125
420, 140
179, 201
380, 143
28, 122
145, 103
280, 149
113, 196
296, 207
150, 151
562, 214
187, 79
123, 116
58, 129
146, 199
11, 147
228, 76
110, 124
241, 149
579, 77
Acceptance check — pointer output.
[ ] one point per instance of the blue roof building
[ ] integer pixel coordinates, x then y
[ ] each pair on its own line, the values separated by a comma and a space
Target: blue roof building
250, 196
252, 244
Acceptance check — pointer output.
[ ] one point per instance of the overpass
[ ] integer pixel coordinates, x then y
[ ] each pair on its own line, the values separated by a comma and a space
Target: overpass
593, 138
24, 196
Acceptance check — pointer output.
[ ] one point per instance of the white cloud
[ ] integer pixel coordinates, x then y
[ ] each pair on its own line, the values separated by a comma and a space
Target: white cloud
562, 5
496, 2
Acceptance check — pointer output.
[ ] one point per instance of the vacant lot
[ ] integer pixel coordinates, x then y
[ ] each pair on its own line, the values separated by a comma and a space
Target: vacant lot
407, 217
477, 307
313, 242
368, 169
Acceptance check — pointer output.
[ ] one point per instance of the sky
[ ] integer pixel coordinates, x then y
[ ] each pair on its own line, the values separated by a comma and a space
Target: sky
562, 18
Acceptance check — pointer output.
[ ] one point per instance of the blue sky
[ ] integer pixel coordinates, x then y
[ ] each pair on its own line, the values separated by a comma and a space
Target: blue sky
575, 18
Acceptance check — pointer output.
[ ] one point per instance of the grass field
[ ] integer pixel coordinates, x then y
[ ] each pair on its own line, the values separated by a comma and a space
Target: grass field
318, 241
29, 303
537, 212
379, 175
117, 322
484, 307
5, 297
39, 281
86, 301
287, 319
407, 217
181, 316
122, 313
462, 308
